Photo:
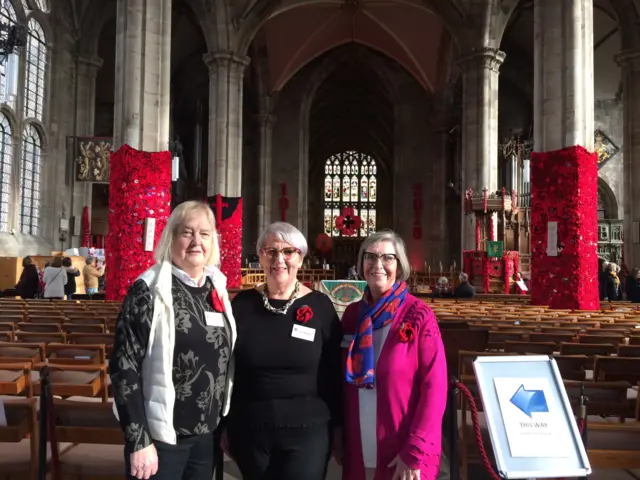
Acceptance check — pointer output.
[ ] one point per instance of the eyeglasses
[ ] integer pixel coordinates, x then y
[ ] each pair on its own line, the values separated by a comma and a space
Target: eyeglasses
272, 253
387, 258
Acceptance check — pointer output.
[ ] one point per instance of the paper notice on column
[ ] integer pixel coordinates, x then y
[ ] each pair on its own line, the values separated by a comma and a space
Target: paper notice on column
552, 239
3, 415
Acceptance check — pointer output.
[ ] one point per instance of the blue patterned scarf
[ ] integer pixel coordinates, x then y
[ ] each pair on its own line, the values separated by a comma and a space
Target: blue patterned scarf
360, 359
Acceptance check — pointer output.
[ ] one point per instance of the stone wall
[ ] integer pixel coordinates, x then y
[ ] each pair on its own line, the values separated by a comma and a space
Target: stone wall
609, 119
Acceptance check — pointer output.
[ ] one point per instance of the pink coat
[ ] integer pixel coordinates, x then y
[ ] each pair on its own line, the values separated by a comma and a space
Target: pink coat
411, 396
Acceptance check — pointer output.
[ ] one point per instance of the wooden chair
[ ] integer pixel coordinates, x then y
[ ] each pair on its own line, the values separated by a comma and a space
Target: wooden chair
15, 379
21, 352
38, 327
67, 354
87, 381
573, 367
539, 348
19, 453
41, 337
97, 437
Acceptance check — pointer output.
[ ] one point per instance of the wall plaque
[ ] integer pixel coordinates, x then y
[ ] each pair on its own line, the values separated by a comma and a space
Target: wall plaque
92, 156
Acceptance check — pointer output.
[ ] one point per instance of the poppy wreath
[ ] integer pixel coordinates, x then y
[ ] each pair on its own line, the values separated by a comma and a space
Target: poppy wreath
564, 189
348, 223
304, 314
407, 332
139, 188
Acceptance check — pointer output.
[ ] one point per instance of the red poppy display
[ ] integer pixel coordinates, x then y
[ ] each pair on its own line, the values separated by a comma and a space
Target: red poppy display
564, 189
348, 223
139, 188
217, 302
304, 314
407, 332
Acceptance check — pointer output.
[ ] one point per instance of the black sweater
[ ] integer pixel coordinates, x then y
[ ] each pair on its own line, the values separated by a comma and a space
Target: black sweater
280, 380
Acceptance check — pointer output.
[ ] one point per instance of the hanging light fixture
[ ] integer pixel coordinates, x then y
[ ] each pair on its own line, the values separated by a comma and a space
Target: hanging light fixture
13, 38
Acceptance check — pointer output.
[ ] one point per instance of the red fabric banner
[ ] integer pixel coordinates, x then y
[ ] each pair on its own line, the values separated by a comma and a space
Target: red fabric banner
564, 189
228, 213
139, 188
86, 228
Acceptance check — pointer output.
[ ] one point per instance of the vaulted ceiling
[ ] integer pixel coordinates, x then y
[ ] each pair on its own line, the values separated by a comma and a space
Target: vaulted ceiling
411, 35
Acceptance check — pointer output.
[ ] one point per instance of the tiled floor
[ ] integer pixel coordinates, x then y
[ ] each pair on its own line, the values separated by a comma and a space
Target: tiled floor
335, 473
232, 473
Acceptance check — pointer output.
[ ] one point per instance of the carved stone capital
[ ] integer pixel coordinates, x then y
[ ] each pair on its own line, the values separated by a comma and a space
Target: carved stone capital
629, 59
89, 65
266, 120
486, 57
226, 61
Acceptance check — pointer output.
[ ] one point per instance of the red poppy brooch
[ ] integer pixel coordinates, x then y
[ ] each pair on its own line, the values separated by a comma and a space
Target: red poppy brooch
216, 300
407, 332
304, 314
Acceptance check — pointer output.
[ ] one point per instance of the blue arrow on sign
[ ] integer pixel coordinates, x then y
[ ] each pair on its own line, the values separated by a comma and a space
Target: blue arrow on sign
530, 401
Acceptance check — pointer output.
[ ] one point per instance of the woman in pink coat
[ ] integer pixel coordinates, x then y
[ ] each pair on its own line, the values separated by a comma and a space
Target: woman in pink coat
395, 372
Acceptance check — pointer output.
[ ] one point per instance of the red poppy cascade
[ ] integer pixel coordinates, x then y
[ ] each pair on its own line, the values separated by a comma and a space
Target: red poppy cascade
348, 223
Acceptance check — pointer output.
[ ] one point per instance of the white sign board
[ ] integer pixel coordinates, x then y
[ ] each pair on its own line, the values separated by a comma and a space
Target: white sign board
532, 428
552, 239
522, 285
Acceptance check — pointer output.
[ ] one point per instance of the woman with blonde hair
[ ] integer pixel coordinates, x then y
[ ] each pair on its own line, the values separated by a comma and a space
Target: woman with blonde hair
171, 366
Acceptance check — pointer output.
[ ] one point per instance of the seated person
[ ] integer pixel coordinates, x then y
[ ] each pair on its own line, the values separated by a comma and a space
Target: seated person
465, 289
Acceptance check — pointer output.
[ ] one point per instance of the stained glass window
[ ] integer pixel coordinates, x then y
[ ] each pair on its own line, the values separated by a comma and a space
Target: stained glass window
30, 181
5, 171
7, 17
36, 67
350, 180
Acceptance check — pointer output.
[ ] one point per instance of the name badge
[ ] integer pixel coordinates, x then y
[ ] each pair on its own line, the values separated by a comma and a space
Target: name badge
303, 333
346, 341
213, 319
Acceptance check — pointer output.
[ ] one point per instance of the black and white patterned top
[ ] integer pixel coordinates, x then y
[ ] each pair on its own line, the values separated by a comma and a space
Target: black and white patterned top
200, 361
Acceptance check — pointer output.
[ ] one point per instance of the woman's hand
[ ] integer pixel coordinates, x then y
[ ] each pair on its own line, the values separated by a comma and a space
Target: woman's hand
144, 463
403, 472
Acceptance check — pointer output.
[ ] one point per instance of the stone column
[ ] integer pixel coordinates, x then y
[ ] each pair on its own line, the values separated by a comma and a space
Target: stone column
265, 124
86, 72
479, 128
143, 74
630, 63
226, 71
563, 74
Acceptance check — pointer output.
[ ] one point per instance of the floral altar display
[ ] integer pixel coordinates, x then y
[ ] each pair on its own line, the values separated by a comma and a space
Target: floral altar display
228, 213
564, 229
139, 188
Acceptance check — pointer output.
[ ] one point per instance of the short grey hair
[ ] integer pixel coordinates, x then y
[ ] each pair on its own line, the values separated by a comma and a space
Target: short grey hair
285, 232
177, 218
464, 277
89, 260
404, 268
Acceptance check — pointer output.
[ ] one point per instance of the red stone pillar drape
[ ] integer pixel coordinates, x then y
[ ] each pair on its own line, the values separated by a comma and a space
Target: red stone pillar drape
228, 213
139, 188
564, 190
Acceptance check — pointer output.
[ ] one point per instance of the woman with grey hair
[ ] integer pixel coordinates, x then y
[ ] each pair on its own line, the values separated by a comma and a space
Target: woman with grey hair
287, 393
171, 366
395, 372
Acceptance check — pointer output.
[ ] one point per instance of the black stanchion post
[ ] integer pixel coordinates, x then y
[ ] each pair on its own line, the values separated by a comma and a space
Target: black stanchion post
43, 424
582, 415
454, 457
